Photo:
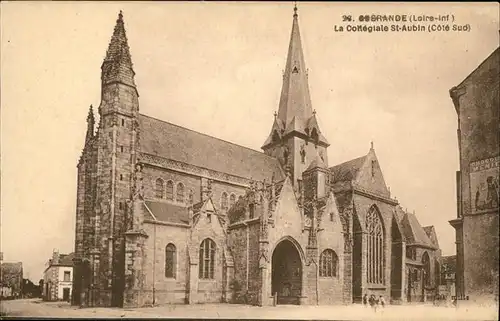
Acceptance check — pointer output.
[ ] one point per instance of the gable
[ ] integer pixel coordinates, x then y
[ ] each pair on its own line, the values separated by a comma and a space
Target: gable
370, 175
330, 218
207, 222
180, 144
287, 215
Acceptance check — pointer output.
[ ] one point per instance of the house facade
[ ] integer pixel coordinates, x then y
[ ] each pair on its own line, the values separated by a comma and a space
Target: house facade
58, 277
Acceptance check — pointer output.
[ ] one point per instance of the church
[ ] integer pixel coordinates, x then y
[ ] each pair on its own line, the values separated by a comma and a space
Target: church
169, 215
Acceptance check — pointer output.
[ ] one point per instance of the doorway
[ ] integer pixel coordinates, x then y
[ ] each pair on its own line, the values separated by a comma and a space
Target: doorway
66, 294
286, 280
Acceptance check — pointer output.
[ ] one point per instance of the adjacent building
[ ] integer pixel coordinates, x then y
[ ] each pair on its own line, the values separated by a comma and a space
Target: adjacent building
11, 279
448, 275
476, 101
170, 215
422, 259
58, 277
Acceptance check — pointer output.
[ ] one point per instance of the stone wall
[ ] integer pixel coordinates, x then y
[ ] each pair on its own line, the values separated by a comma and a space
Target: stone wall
476, 100
191, 183
166, 290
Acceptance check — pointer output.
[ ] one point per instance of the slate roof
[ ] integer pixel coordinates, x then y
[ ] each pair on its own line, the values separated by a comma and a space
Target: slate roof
66, 259
184, 145
347, 171
166, 212
413, 231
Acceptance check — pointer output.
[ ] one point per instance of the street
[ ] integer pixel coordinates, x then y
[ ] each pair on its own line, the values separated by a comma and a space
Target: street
38, 308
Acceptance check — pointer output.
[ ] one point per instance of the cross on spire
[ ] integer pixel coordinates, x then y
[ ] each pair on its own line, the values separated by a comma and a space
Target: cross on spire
295, 9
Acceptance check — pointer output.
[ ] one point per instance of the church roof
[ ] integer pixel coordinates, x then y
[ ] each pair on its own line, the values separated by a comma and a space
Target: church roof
347, 171
413, 232
166, 212
431, 233
188, 146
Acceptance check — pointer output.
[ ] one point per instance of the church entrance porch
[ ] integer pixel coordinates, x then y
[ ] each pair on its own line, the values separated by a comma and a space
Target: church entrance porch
286, 282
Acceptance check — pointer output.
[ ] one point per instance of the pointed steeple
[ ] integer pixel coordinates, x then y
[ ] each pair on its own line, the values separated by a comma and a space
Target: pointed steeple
117, 65
295, 113
90, 125
295, 100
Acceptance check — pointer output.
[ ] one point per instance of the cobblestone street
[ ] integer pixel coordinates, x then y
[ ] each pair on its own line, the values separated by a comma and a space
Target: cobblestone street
38, 308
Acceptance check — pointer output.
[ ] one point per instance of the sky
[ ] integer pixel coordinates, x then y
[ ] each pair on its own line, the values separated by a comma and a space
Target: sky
217, 68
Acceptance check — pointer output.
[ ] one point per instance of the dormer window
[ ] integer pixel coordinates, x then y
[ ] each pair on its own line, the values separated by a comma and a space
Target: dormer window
295, 70
315, 136
276, 136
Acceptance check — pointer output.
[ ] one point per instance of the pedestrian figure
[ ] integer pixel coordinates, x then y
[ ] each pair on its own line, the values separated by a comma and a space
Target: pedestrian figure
371, 300
365, 300
381, 301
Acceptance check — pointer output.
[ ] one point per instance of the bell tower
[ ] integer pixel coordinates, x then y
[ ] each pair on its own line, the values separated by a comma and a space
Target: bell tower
117, 145
295, 138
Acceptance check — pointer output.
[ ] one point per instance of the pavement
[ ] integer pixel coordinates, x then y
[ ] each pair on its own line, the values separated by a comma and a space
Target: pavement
39, 308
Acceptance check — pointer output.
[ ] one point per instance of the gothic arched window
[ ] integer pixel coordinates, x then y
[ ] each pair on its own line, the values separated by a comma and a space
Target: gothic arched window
328, 263
427, 269
170, 261
223, 201
159, 189
170, 190
232, 200
180, 193
375, 247
207, 259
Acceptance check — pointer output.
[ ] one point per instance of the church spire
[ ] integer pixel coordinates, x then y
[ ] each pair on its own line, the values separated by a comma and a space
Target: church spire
295, 114
295, 101
117, 65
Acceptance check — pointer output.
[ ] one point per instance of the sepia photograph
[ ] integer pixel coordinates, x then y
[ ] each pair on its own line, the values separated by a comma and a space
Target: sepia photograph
250, 160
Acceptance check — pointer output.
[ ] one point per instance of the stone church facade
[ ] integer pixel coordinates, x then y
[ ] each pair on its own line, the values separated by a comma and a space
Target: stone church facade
169, 215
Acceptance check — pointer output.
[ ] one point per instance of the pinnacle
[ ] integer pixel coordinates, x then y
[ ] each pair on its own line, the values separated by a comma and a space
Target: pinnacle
90, 116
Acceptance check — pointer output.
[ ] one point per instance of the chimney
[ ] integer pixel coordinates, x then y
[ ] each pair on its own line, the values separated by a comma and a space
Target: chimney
55, 257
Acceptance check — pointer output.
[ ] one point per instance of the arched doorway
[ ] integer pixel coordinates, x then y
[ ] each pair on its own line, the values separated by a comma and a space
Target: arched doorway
286, 280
